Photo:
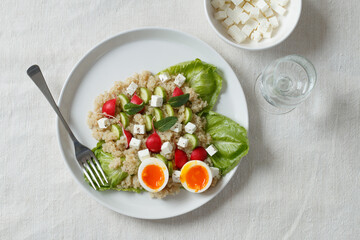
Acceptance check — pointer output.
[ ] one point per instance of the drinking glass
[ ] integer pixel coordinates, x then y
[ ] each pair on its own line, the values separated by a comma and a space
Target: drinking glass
284, 84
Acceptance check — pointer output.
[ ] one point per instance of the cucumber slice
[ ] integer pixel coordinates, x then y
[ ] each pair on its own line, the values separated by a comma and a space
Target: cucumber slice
123, 100
160, 91
169, 110
158, 114
162, 158
117, 130
193, 140
148, 122
188, 115
145, 95
170, 167
124, 118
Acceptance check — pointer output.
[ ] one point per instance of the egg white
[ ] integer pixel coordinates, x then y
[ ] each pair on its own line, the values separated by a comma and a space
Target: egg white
153, 161
187, 167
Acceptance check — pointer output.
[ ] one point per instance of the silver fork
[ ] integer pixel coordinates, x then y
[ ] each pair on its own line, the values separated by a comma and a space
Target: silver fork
83, 154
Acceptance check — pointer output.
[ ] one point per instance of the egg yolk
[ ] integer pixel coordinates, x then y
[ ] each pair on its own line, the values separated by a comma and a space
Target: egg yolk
197, 178
153, 176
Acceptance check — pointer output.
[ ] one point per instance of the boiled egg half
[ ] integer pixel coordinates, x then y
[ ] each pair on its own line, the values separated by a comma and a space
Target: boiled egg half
153, 174
196, 176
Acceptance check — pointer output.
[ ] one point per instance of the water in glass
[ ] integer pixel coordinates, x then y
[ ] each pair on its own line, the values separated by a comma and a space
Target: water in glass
285, 83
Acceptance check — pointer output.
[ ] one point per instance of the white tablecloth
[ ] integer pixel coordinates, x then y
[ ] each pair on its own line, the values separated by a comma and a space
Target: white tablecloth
301, 179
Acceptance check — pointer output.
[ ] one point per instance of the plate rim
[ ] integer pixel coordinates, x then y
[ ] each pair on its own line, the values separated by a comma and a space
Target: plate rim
58, 123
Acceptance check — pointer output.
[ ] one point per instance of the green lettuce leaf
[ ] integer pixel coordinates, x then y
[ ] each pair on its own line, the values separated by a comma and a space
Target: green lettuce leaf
202, 77
229, 138
114, 176
137, 190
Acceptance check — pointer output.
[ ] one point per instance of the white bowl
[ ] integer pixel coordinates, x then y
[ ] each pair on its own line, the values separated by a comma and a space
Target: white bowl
287, 23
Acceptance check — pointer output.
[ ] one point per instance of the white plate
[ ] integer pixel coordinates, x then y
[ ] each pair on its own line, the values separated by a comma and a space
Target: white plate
116, 59
287, 24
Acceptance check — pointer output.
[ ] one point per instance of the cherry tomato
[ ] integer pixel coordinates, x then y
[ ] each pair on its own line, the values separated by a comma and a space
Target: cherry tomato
136, 100
109, 108
177, 92
198, 153
180, 158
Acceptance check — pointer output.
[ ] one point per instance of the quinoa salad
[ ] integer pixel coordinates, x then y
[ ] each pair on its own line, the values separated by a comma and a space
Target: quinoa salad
157, 133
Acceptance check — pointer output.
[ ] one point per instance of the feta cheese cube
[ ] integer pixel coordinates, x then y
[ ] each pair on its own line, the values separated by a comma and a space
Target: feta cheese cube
131, 88
274, 22
235, 32
252, 23
262, 5
268, 12
247, 30
215, 172
176, 176
268, 33
244, 17
211, 150
260, 17
277, 8
215, 3
179, 80
227, 22
156, 101
166, 148
176, 128
225, 6
229, 13
248, 7
221, 3
237, 2
264, 26
282, 2
235, 14
139, 129
183, 142
256, 36
249, 27
254, 13
135, 143
143, 154
220, 15
164, 77
190, 128
103, 123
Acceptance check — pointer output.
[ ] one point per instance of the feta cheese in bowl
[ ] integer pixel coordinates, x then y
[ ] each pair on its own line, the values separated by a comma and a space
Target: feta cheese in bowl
253, 25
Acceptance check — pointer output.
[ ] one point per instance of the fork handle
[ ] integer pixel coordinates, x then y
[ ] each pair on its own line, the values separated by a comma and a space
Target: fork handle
37, 77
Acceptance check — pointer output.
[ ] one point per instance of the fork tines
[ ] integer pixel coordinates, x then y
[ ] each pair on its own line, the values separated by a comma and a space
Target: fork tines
92, 178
